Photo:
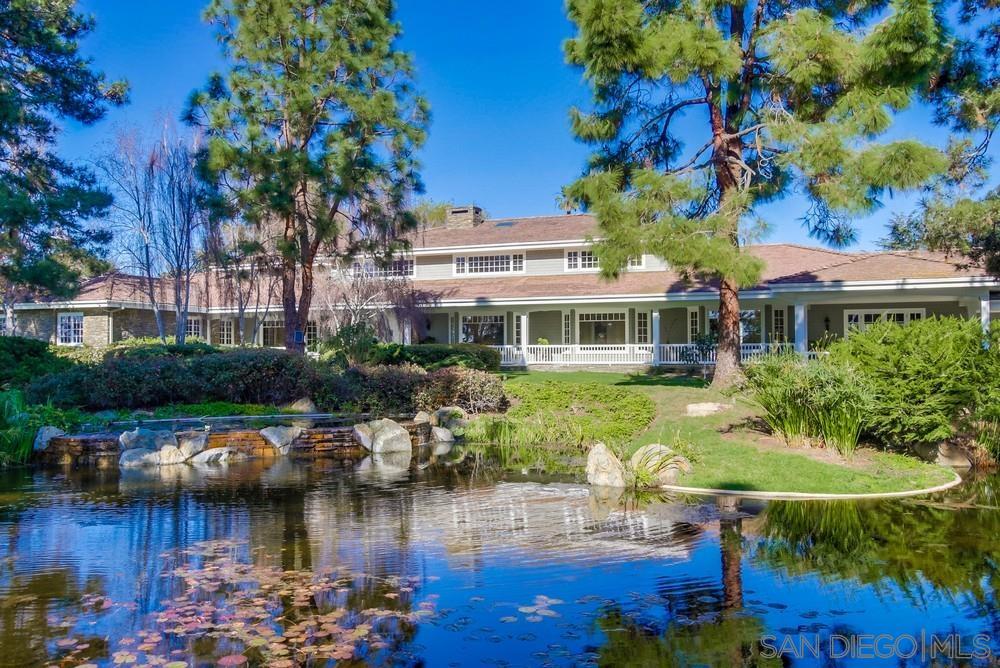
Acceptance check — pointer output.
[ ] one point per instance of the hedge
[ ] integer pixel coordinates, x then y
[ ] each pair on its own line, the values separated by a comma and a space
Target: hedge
23, 359
431, 356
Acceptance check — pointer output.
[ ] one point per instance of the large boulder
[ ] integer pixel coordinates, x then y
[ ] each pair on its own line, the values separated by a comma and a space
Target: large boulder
281, 438
421, 417
441, 435
192, 442
389, 436
955, 456
135, 458
660, 463
170, 454
603, 468
304, 405
146, 439
44, 435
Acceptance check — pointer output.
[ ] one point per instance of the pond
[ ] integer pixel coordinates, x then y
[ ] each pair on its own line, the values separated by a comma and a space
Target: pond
454, 563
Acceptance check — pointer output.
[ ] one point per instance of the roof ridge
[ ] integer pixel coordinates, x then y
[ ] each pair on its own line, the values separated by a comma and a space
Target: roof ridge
551, 215
792, 244
849, 259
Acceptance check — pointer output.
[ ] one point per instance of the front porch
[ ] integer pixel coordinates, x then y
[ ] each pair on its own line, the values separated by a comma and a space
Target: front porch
627, 354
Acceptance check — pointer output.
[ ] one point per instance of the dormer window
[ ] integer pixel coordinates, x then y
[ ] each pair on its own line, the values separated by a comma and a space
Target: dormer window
585, 260
489, 264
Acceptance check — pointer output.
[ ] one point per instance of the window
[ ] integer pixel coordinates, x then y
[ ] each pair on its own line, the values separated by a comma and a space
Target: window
637, 262
69, 329
273, 333
3, 324
584, 260
517, 330
602, 328
567, 328
485, 329
862, 319
226, 331
193, 328
779, 324
403, 267
642, 327
312, 333
694, 325
489, 264
750, 329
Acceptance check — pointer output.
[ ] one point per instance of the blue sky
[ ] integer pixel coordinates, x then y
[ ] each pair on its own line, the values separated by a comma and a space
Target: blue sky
493, 73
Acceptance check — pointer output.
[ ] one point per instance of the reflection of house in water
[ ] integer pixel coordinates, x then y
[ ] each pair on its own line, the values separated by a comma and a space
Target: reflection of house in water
537, 523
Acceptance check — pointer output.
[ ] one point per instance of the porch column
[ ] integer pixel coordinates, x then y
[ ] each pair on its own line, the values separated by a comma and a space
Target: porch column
524, 336
984, 311
654, 322
801, 329
406, 332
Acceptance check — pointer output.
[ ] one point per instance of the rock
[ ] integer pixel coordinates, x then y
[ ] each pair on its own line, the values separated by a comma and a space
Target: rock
441, 435
705, 409
215, 456
448, 417
281, 437
44, 435
134, 458
389, 436
304, 405
603, 468
364, 435
441, 448
105, 416
170, 455
146, 439
192, 442
949, 454
421, 417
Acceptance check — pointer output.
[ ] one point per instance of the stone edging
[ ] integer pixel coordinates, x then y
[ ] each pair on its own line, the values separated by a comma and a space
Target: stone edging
805, 496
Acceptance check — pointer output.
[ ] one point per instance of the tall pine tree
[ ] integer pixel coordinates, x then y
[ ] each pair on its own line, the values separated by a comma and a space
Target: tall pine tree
313, 132
703, 110
46, 201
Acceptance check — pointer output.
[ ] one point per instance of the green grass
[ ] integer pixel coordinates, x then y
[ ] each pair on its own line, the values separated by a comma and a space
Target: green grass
736, 461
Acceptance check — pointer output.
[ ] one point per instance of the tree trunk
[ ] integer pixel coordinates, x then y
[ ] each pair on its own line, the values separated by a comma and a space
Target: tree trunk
728, 370
9, 324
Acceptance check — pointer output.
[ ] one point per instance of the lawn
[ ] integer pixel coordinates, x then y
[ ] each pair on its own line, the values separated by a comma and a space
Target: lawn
731, 452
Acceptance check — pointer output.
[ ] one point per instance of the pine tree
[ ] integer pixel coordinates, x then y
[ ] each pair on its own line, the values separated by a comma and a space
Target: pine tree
313, 131
704, 110
46, 201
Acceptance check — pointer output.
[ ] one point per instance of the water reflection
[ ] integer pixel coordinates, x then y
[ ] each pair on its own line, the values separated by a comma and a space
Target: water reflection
451, 560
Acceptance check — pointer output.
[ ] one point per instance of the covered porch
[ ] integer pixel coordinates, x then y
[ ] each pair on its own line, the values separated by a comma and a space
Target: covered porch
680, 333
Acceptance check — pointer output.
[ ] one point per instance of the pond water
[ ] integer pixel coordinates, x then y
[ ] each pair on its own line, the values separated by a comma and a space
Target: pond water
453, 563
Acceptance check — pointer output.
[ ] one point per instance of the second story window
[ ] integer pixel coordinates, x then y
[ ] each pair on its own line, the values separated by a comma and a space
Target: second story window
401, 268
489, 264
582, 260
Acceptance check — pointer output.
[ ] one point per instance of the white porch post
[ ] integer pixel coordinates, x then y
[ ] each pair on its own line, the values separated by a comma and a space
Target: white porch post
524, 336
984, 311
406, 332
801, 329
654, 322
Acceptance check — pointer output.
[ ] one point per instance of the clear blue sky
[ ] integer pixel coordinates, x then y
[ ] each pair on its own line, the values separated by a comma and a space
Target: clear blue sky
492, 71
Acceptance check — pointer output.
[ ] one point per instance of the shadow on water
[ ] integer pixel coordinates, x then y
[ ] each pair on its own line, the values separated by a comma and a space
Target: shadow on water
453, 559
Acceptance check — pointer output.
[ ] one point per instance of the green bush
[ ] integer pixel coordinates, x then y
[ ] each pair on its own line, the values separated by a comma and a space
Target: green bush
433, 356
20, 422
23, 359
823, 400
472, 390
925, 378
352, 345
385, 390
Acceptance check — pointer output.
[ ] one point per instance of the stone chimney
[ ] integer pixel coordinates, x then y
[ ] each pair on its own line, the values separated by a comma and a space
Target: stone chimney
464, 216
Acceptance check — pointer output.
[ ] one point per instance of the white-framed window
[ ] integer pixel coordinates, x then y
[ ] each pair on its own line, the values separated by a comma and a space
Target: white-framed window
567, 329
637, 262
312, 332
192, 329
642, 327
694, 324
397, 268
272, 333
487, 329
862, 319
582, 260
227, 330
69, 329
518, 333
607, 328
512, 263
778, 326
3, 324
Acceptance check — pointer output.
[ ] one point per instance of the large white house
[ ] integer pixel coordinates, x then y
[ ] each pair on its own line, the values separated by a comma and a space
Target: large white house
531, 287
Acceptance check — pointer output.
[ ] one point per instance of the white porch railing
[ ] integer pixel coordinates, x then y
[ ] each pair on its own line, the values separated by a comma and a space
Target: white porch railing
670, 354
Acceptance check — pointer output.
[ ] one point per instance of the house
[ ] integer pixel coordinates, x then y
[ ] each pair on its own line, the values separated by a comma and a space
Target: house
531, 287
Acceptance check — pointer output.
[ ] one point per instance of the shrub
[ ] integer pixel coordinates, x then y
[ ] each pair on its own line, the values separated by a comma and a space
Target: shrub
433, 356
152, 347
255, 376
386, 389
352, 345
20, 422
472, 390
924, 377
23, 359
